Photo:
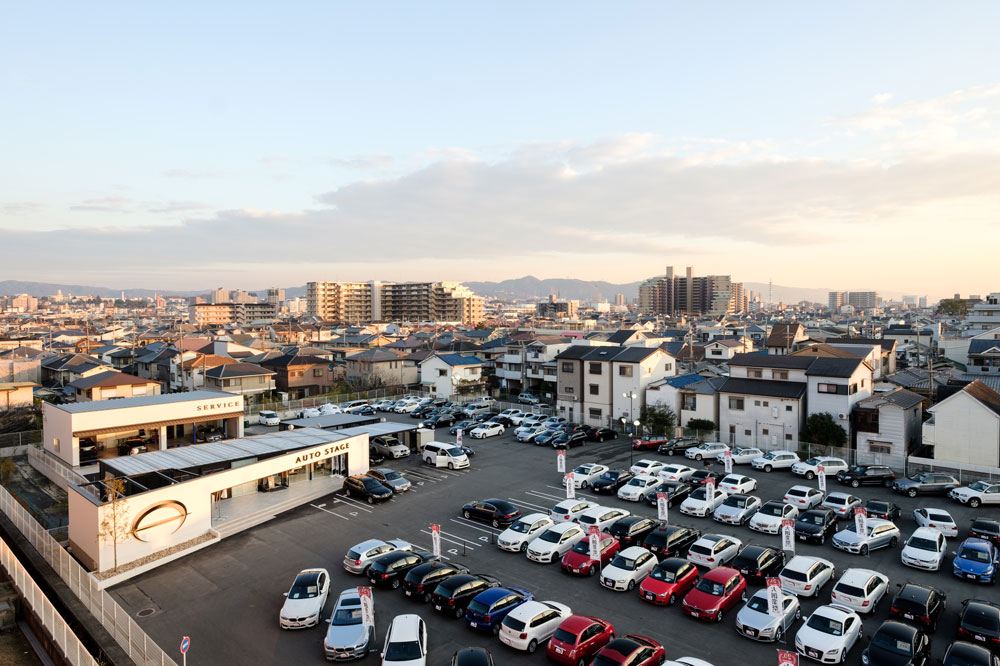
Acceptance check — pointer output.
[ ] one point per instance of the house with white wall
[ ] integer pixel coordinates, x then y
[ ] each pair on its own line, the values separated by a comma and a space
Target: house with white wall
965, 426
761, 412
887, 427
700, 400
445, 375
723, 349
667, 392
835, 386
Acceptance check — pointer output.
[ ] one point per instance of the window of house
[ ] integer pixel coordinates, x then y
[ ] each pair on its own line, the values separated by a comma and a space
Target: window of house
779, 374
317, 372
139, 389
788, 436
624, 370
595, 413
764, 432
826, 388
755, 373
854, 389
716, 352
788, 408
765, 403
879, 448
442, 372
690, 402
595, 368
567, 367
568, 389
55, 443
227, 382
756, 403
594, 389
736, 403
746, 432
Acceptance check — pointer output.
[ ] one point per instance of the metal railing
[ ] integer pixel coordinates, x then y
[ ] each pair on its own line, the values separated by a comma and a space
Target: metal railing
136, 643
73, 650
965, 472
18, 439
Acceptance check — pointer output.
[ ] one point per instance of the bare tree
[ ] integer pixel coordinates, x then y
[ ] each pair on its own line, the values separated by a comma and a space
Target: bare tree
114, 526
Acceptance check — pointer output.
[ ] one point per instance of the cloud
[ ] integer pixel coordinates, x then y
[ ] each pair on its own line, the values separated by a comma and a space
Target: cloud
191, 174
20, 207
119, 204
361, 162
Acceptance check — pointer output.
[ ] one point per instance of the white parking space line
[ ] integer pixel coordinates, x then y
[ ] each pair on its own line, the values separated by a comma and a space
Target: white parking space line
534, 506
556, 487
469, 523
544, 496
427, 550
344, 499
424, 476
464, 542
320, 507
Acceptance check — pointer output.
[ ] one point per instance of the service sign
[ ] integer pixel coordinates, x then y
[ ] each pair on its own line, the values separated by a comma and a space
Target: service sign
860, 520
787, 658
561, 461
594, 535
458, 437
436, 539
570, 486
788, 534
774, 597
821, 478
367, 607
661, 506
727, 459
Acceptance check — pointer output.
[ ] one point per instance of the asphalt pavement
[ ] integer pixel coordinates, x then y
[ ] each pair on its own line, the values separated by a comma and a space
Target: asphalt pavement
227, 597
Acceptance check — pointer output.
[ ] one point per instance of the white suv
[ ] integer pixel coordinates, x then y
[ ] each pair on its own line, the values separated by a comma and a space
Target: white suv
707, 450
775, 460
405, 642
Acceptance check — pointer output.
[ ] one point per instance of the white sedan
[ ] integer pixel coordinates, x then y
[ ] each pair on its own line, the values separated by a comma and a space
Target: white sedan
828, 634
741, 455
601, 516
646, 467
810, 468
486, 430
516, 537
939, 519
305, 599
699, 504
555, 542
976, 494
569, 510
706, 450
860, 590
925, 549
768, 518
627, 568
586, 474
738, 484
736, 509
805, 575
532, 623
714, 550
675, 473
803, 497
638, 488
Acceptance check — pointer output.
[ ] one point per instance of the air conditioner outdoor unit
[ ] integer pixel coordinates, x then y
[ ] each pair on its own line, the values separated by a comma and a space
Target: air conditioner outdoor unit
842, 417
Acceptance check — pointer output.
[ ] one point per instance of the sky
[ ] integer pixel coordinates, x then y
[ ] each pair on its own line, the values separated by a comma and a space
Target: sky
189, 145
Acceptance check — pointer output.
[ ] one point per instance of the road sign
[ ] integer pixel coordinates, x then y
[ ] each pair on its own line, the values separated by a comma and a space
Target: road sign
774, 597
788, 534
727, 459
561, 461
367, 607
570, 486
661, 506
436, 539
185, 644
594, 534
860, 520
821, 477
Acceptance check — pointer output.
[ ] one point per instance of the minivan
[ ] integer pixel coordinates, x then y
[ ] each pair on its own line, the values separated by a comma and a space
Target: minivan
351, 405
441, 454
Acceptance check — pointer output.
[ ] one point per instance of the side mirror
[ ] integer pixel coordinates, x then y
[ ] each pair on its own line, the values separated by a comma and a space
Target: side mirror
284, 594
954, 553
329, 620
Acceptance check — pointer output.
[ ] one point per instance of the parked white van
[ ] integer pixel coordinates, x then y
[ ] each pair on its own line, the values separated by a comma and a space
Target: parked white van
442, 454
351, 405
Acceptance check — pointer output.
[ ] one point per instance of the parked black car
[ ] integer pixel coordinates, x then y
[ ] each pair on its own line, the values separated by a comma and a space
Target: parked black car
441, 420
367, 488
867, 475
601, 434
568, 440
964, 653
134, 446
920, 604
374, 457
926, 483
815, 525
671, 540
678, 445
496, 512
453, 594
632, 530
897, 644
547, 437
472, 656
209, 434
758, 562
677, 492
88, 450
389, 570
701, 477
465, 426
611, 481
980, 622
984, 528
883, 509
421, 580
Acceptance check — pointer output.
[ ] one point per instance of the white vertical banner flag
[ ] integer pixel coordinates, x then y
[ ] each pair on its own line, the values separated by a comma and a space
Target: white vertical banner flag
788, 534
561, 461
367, 607
709, 488
821, 478
860, 520
458, 437
570, 486
661, 506
436, 539
594, 534
727, 459
774, 597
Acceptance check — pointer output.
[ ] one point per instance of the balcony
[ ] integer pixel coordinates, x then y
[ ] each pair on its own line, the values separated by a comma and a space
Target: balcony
511, 358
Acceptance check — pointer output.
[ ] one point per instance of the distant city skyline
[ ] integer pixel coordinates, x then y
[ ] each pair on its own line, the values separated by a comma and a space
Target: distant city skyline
841, 147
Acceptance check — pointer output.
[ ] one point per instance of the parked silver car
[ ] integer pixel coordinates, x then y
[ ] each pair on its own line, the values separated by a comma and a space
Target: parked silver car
755, 621
348, 636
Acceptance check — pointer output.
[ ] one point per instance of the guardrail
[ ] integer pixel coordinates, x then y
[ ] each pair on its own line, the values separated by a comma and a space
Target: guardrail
73, 650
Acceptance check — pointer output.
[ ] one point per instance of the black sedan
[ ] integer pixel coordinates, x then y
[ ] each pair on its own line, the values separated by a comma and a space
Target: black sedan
496, 512
453, 594
964, 653
980, 622
464, 426
984, 528
867, 475
897, 644
421, 580
472, 656
568, 440
367, 488
671, 540
632, 530
611, 481
442, 420
677, 492
389, 570
701, 477
601, 434
547, 437
759, 562
919, 604
815, 525
883, 509
678, 445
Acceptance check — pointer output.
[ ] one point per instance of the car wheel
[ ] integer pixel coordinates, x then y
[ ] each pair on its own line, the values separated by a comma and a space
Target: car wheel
427, 597
600, 440
718, 616
974, 502
495, 523
864, 550
524, 546
466, 514
778, 635
459, 613
887, 483
843, 657
912, 492
810, 475
495, 629
631, 585
767, 468
532, 646
592, 570
822, 538
670, 452
697, 456
371, 500
583, 484
394, 584
672, 600
581, 662
855, 483
743, 595
451, 465
893, 542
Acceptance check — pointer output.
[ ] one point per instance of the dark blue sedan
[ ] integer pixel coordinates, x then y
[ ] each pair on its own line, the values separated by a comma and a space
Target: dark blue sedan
976, 560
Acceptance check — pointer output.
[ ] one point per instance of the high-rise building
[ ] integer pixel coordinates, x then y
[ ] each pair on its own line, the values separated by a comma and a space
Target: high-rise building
221, 314
619, 299
275, 295
862, 300
711, 295
219, 295
556, 309
837, 300
362, 302
922, 302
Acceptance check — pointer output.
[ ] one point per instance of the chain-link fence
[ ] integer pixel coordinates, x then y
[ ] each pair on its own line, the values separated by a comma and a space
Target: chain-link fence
965, 472
20, 439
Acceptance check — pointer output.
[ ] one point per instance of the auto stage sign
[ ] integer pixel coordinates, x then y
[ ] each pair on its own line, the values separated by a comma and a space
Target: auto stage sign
320, 452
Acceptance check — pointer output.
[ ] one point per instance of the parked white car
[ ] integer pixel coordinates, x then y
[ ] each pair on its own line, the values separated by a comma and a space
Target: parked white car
405, 642
828, 634
486, 430
359, 556
638, 487
714, 550
738, 484
647, 467
810, 468
976, 494
775, 460
803, 497
627, 568
706, 450
860, 590
925, 549
268, 418
532, 623
329, 408
879, 533
568, 510
675, 473
305, 599
309, 413
741, 455
515, 538
586, 474
842, 504
755, 621
555, 542
805, 575
736, 509
700, 504
528, 423
937, 518
768, 518
601, 516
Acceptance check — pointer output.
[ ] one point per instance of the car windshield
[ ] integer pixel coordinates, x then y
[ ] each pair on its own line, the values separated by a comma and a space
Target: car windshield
974, 555
916, 477
513, 623
582, 547
404, 651
479, 607
878, 507
551, 536
454, 451
667, 576
885, 641
391, 476
521, 526
601, 660
737, 501
921, 543
813, 461
811, 518
827, 625
858, 469
710, 587
564, 636
699, 494
582, 469
622, 562
797, 492
306, 586
980, 486
980, 619
610, 476
850, 590
346, 616
772, 509
833, 499
758, 604
986, 526
371, 484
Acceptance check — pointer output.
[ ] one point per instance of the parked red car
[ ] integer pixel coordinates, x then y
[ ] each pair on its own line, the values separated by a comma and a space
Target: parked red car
669, 580
645, 444
577, 561
633, 650
716, 593
578, 638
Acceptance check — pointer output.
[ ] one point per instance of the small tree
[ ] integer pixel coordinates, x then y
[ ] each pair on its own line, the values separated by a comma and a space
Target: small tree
7, 468
701, 426
114, 526
823, 430
658, 418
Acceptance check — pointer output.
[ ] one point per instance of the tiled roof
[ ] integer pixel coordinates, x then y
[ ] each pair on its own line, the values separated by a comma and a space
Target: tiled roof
110, 378
833, 367
238, 370
458, 359
764, 387
984, 394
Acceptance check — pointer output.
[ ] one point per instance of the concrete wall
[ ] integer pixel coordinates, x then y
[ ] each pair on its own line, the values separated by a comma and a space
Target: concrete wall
769, 415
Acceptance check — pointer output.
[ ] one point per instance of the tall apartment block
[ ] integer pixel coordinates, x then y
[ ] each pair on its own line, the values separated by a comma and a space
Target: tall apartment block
362, 302
859, 300
710, 295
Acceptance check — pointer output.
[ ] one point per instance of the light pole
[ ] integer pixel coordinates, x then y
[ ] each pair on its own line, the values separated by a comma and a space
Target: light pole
631, 395
630, 447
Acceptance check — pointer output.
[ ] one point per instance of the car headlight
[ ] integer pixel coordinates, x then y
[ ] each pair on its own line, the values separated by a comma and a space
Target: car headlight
798, 642
767, 632
832, 652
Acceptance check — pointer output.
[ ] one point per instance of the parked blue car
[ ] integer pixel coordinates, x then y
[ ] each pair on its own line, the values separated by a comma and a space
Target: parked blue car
488, 608
976, 560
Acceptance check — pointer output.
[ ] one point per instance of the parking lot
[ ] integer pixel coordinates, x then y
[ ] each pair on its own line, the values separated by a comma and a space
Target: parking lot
227, 597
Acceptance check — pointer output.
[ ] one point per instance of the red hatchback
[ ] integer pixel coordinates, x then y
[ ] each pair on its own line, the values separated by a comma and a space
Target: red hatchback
716, 593
633, 650
578, 638
577, 561
669, 580
648, 444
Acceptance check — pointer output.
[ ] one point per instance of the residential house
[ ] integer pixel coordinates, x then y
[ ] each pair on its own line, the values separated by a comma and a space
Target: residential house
887, 427
984, 356
836, 385
446, 375
16, 394
768, 413
965, 427
723, 349
379, 367
887, 347
667, 391
700, 400
871, 354
22, 364
412, 361
112, 384
247, 379
62, 369
528, 359
301, 375
786, 338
